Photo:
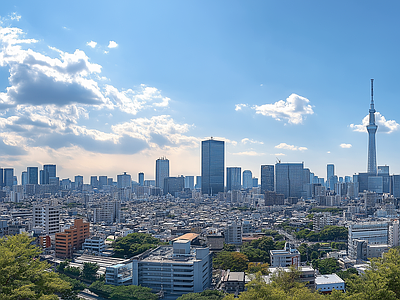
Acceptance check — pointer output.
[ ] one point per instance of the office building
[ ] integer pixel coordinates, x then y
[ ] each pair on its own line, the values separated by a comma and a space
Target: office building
71, 239
255, 182
78, 182
272, 198
395, 182
371, 128
198, 182
233, 178
247, 179
141, 178
173, 185
212, 166
8, 177
124, 181
189, 182
109, 212
289, 179
94, 181
330, 172
103, 180
24, 178
267, 178
383, 171
1, 178
325, 284
46, 217
49, 171
32, 175
162, 171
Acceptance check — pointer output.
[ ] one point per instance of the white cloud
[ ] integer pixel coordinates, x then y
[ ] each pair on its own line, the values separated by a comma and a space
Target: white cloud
386, 126
346, 146
290, 147
328, 152
294, 109
240, 106
280, 154
91, 44
247, 140
112, 44
14, 16
248, 153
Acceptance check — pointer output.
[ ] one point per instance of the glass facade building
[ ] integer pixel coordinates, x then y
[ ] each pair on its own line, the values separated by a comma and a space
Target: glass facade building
212, 166
267, 178
289, 179
247, 179
233, 178
162, 171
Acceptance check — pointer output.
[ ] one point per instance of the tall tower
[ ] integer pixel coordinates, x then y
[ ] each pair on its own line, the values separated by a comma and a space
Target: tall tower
212, 166
162, 171
372, 127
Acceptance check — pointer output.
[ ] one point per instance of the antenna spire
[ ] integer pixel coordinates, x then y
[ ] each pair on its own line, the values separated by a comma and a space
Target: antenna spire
372, 90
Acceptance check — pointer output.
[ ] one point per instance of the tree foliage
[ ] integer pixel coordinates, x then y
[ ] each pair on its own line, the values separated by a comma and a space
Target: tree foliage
90, 270
23, 275
329, 233
258, 250
129, 292
326, 266
134, 244
205, 295
235, 261
253, 268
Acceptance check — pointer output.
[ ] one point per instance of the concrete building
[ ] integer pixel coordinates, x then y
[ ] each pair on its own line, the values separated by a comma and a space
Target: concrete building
232, 282
94, 244
247, 179
233, 233
267, 178
326, 283
46, 217
108, 212
71, 239
233, 178
162, 171
173, 270
285, 258
320, 220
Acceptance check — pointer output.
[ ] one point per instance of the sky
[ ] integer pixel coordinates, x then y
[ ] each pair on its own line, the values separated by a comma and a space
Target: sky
102, 87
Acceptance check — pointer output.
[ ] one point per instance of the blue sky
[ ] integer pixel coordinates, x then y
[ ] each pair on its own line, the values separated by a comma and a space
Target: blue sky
99, 88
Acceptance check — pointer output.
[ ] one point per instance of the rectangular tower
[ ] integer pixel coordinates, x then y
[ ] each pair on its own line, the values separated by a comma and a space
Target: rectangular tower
162, 171
233, 180
32, 175
289, 179
212, 166
267, 178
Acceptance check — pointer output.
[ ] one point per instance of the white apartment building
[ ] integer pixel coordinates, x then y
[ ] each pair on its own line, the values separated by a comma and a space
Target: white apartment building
47, 218
285, 258
170, 270
233, 233
109, 212
95, 244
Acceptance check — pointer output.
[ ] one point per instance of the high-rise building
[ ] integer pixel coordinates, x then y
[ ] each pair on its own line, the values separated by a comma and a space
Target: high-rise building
267, 178
255, 182
198, 182
141, 178
32, 175
189, 182
162, 171
124, 181
233, 178
173, 185
212, 166
94, 182
49, 171
47, 217
1, 178
102, 181
24, 178
8, 177
371, 128
289, 179
247, 179
330, 172
78, 182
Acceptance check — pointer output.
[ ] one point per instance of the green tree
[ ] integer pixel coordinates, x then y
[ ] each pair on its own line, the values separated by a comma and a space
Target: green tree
73, 271
90, 270
253, 268
326, 266
205, 295
235, 261
130, 292
23, 275
229, 247
134, 244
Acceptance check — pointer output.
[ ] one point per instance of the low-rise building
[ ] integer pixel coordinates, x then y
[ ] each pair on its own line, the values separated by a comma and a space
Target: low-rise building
285, 258
326, 283
94, 244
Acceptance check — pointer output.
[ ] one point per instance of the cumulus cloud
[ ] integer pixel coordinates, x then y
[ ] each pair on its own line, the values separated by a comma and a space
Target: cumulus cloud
386, 126
15, 17
240, 106
280, 154
112, 44
290, 147
346, 146
91, 44
50, 102
293, 110
247, 140
248, 153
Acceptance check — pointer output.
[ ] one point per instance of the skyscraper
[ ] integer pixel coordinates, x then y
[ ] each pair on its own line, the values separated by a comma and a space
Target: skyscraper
371, 128
289, 179
32, 175
233, 180
267, 178
1, 178
8, 176
124, 181
141, 178
24, 178
49, 171
162, 171
247, 179
212, 166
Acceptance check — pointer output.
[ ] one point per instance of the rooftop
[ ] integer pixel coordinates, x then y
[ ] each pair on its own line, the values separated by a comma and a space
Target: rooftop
328, 279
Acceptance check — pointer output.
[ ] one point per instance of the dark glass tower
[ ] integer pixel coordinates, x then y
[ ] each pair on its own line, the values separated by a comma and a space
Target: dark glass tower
267, 178
233, 178
371, 128
212, 166
289, 179
32, 175
162, 171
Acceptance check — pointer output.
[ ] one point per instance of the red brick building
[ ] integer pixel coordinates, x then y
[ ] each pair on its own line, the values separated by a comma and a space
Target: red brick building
71, 239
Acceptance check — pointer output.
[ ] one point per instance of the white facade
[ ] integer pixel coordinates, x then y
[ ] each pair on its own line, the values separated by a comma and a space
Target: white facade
95, 244
233, 233
394, 233
46, 217
285, 258
326, 283
109, 212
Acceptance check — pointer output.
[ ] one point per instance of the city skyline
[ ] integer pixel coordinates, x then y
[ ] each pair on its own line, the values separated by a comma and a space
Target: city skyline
103, 99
